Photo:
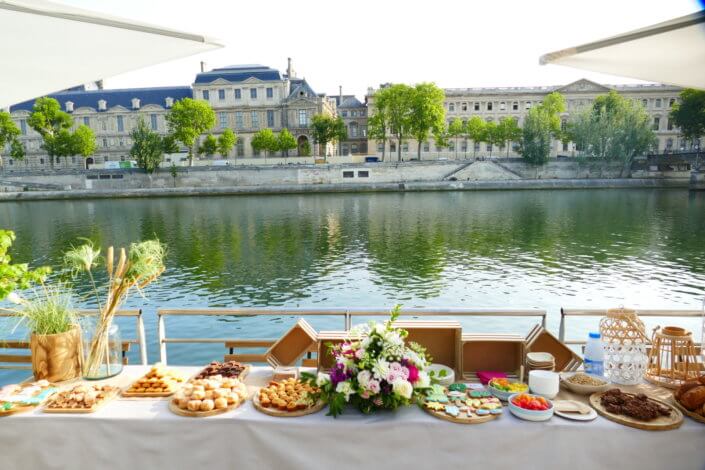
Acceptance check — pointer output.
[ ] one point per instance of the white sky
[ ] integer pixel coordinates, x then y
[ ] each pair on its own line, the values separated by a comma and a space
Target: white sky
356, 44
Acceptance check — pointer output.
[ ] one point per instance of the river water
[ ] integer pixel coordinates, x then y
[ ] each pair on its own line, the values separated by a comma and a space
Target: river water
513, 249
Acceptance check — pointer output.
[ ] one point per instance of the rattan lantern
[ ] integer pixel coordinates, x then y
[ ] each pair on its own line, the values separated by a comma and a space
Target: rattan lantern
673, 358
624, 340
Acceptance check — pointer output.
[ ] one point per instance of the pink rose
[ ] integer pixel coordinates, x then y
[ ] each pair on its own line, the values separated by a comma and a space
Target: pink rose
413, 373
373, 386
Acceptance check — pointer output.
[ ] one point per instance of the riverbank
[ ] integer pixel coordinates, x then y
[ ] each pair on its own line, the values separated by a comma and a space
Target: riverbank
411, 186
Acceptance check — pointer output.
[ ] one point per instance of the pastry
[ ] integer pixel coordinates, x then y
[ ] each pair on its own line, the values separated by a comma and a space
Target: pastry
214, 393
288, 395
694, 398
230, 369
158, 380
85, 397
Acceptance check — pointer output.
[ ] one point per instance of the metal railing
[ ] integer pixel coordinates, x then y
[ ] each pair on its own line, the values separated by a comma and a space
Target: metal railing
346, 315
576, 312
140, 340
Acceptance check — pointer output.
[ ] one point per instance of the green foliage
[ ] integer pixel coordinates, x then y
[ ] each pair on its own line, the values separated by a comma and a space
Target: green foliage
49, 312
209, 146
427, 113
286, 141
169, 144
377, 127
491, 134
188, 119
9, 133
174, 172
508, 131
17, 150
327, 129
15, 276
226, 142
305, 149
689, 114
456, 129
475, 130
395, 102
147, 147
542, 124
83, 141
265, 140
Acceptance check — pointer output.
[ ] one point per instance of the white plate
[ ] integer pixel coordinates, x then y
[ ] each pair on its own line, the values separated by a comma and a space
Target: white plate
577, 416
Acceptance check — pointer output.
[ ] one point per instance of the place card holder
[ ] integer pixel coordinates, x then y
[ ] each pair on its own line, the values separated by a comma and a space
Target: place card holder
493, 352
540, 340
441, 338
291, 347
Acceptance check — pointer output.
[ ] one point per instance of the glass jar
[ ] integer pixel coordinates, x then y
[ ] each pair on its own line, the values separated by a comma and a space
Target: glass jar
102, 350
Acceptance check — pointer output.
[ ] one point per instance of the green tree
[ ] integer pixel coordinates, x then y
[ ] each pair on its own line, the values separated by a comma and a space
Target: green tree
226, 142
456, 129
377, 127
187, 120
147, 147
169, 144
286, 141
426, 114
396, 103
542, 124
54, 126
508, 131
265, 140
689, 114
614, 128
209, 146
9, 134
492, 135
15, 276
305, 149
327, 129
475, 130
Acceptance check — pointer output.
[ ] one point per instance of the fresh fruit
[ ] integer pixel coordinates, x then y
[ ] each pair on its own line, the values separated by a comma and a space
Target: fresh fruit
531, 402
507, 386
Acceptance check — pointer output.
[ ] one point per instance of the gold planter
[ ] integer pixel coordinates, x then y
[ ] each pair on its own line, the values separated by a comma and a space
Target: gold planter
57, 357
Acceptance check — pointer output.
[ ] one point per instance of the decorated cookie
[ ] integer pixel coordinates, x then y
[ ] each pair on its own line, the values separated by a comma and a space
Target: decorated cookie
457, 387
482, 412
456, 394
439, 398
434, 405
496, 411
452, 410
479, 393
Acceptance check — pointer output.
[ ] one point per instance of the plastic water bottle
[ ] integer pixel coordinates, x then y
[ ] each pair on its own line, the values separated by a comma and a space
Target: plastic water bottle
594, 355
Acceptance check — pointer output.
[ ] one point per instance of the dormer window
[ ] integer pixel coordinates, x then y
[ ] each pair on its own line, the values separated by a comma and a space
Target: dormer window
169, 101
135, 103
102, 105
69, 106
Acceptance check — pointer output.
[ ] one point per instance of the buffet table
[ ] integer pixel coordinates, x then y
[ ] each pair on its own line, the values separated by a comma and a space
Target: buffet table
144, 434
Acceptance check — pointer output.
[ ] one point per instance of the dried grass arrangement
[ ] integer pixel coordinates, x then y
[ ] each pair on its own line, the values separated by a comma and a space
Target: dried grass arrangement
132, 269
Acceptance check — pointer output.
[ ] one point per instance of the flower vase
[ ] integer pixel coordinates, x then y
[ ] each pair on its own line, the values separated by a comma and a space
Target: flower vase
102, 348
57, 357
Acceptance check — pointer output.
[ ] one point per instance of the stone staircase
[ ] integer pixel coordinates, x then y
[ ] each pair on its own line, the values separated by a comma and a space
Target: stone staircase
482, 170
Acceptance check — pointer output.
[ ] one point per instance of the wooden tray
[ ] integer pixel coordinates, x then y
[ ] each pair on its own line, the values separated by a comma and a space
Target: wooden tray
127, 394
287, 414
690, 414
663, 423
99, 404
202, 414
25, 408
460, 419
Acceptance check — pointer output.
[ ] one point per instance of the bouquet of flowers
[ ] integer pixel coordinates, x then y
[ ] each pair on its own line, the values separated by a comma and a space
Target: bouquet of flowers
374, 370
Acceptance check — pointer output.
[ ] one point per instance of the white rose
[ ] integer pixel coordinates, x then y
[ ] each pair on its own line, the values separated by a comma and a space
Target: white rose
345, 388
424, 381
402, 388
363, 378
381, 369
322, 379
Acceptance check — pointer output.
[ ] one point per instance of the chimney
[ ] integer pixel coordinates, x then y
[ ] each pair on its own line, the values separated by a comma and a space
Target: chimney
289, 70
340, 92
203, 66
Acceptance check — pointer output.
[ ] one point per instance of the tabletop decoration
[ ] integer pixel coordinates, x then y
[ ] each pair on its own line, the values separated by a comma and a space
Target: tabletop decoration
374, 370
673, 358
624, 339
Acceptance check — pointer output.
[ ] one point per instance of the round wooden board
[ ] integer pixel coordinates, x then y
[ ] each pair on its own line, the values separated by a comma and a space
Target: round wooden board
459, 419
23, 409
286, 414
662, 423
685, 411
202, 414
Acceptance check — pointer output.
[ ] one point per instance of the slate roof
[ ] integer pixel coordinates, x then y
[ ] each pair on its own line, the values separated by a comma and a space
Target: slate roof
239, 73
299, 85
117, 97
349, 101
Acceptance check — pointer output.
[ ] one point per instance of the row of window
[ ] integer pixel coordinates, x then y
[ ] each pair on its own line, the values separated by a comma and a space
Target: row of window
463, 147
488, 106
237, 93
86, 121
360, 113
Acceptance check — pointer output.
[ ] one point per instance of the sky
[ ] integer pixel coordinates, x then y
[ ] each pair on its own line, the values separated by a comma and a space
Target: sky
360, 44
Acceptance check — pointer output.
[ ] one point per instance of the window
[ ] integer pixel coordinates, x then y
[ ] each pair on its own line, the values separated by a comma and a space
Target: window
451, 107
120, 143
476, 146
363, 174
353, 148
669, 144
239, 120
270, 93
405, 147
451, 146
363, 131
362, 113
345, 114
671, 102
221, 95
565, 146
120, 124
348, 174
103, 125
105, 142
253, 93
477, 107
564, 124
669, 125
153, 119
657, 123
426, 147
41, 161
464, 107
645, 103
255, 152
270, 118
353, 113
380, 148
345, 149
23, 126
223, 119
489, 106
353, 129
658, 102
303, 118
392, 146
206, 95
238, 94
515, 106
464, 146
254, 116
86, 121
240, 148
489, 147
502, 106
527, 105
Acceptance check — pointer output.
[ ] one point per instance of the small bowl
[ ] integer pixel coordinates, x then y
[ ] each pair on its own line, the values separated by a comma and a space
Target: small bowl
501, 394
446, 380
529, 415
584, 389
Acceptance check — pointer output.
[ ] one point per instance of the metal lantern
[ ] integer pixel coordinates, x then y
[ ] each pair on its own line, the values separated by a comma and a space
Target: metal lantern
624, 341
673, 358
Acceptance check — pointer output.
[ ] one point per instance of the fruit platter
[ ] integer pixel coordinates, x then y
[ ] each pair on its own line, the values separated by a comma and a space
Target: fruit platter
530, 407
460, 404
18, 398
504, 388
288, 398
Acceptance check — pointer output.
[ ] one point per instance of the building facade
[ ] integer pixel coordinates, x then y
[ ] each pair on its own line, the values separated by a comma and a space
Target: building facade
493, 104
245, 99
354, 115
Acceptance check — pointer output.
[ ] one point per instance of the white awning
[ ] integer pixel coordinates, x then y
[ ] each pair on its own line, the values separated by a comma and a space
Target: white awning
672, 52
47, 47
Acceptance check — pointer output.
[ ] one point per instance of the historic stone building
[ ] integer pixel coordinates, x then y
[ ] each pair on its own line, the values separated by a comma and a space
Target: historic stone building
245, 98
354, 115
493, 104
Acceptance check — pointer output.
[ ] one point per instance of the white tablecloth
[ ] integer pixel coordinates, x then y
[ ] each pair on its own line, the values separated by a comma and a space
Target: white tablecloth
134, 434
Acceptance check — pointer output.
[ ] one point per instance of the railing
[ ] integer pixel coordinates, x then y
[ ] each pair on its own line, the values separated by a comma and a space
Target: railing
140, 340
346, 315
574, 312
